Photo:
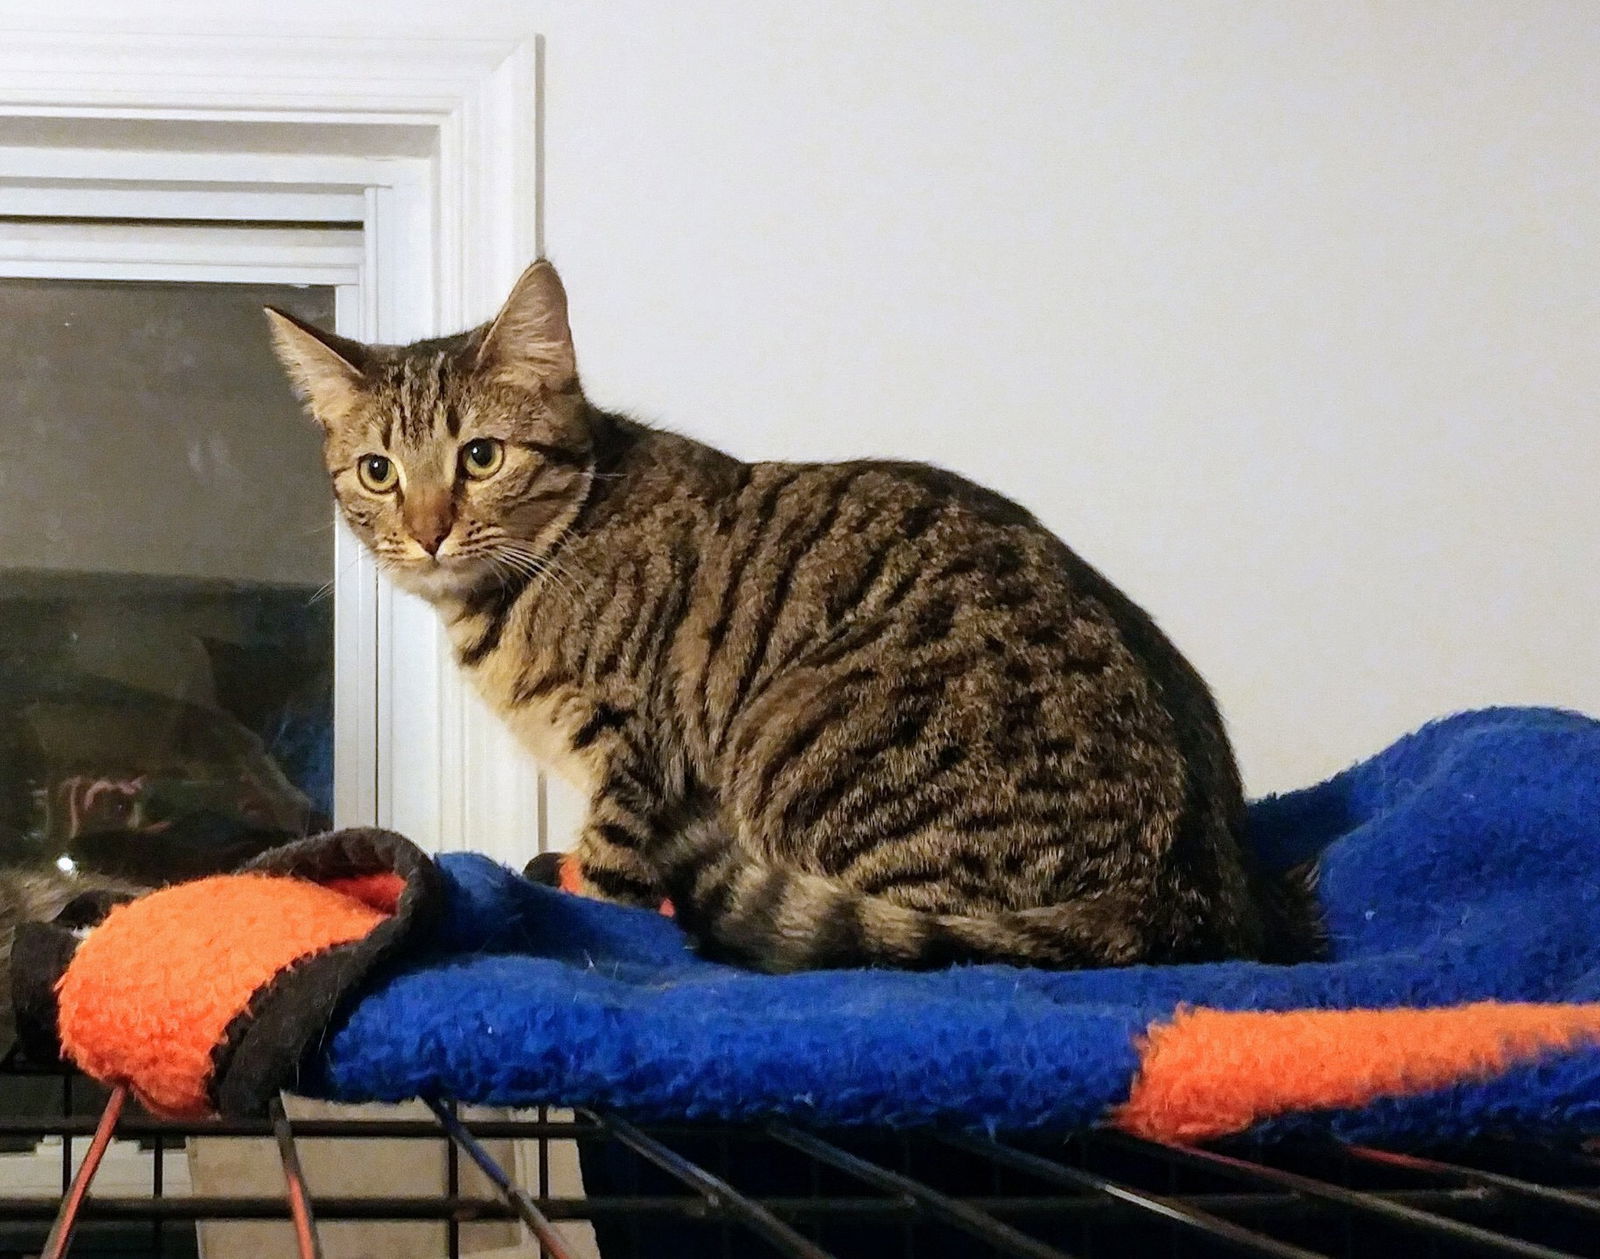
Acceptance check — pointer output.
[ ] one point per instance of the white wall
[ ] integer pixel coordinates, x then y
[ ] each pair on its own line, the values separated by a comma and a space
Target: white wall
1284, 314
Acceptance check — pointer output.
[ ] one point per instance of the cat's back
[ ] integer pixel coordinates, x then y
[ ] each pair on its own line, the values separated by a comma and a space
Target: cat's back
927, 555
897, 665
907, 579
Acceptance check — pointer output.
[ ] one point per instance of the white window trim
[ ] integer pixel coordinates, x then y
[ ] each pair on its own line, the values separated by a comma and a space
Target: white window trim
433, 144
325, 256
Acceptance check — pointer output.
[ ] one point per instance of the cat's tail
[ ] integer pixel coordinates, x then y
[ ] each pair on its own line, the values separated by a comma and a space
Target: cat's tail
1293, 915
776, 919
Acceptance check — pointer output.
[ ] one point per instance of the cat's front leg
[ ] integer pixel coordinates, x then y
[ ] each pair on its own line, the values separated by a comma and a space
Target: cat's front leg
612, 852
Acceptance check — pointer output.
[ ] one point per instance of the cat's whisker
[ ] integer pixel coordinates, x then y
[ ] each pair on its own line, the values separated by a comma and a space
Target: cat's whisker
513, 561
559, 588
538, 572
500, 569
549, 568
511, 569
327, 588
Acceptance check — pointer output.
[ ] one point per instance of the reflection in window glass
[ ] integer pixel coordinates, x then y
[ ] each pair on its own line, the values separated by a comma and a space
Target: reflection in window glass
165, 557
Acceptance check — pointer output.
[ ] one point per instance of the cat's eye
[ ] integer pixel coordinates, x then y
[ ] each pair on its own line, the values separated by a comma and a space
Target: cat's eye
482, 457
377, 473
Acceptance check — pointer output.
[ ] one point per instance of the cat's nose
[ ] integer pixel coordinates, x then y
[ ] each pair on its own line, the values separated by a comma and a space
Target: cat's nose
429, 521
430, 536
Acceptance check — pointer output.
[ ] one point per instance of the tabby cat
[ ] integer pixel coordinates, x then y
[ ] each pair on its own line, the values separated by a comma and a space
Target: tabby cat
43, 893
842, 714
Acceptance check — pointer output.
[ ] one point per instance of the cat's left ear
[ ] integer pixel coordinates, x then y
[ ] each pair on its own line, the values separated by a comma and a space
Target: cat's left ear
327, 370
530, 343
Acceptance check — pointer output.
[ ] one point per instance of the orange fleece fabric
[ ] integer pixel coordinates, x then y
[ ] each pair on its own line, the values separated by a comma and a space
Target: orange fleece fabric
1209, 1073
219, 941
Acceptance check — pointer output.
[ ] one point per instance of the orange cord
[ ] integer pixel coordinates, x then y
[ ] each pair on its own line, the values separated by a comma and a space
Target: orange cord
305, 1231
55, 1245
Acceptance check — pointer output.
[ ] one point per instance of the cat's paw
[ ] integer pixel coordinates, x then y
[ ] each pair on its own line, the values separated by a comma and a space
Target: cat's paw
545, 869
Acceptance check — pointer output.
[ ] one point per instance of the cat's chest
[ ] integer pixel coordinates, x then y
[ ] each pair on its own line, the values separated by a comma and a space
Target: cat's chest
545, 714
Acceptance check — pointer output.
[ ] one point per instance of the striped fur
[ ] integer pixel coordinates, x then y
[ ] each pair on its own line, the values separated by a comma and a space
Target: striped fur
42, 893
859, 713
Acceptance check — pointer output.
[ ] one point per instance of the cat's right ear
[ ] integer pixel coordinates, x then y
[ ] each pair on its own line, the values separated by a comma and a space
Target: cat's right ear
529, 343
327, 370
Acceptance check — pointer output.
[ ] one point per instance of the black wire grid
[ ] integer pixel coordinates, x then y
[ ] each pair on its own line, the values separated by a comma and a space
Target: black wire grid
730, 1192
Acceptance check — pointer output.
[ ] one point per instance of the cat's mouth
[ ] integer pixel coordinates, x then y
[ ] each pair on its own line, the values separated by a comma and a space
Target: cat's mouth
435, 577
451, 575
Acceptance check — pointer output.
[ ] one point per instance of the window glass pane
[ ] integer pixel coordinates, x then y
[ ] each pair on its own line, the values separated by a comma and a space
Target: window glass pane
165, 567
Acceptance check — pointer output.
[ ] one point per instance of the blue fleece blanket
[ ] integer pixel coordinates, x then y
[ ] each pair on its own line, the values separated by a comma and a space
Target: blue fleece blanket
1460, 873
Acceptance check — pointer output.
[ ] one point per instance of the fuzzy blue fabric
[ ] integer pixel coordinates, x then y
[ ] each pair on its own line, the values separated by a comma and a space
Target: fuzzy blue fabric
1461, 864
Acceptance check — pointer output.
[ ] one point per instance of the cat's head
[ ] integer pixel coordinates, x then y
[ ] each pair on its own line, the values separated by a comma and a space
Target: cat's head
459, 461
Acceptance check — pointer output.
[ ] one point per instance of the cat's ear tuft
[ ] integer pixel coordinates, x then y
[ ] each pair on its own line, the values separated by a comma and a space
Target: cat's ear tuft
327, 371
530, 343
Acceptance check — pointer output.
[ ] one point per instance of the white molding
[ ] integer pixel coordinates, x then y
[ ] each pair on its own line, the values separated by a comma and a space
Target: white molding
155, 201
294, 78
439, 140
93, 160
329, 256
355, 635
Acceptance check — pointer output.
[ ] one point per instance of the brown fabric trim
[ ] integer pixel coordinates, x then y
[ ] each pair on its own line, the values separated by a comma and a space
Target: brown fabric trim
264, 1045
40, 954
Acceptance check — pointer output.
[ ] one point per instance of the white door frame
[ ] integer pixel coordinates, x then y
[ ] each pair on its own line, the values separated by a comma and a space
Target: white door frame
432, 147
